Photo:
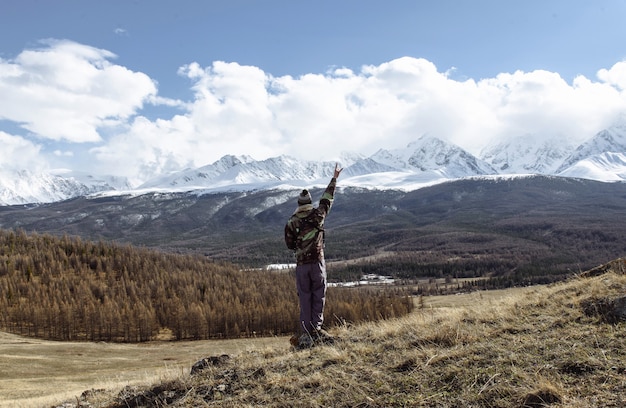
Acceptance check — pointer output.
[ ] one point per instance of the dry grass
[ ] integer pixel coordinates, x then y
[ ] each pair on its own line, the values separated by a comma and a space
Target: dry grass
525, 348
38, 373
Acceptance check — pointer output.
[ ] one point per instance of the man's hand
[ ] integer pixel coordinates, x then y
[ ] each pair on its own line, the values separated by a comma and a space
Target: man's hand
337, 170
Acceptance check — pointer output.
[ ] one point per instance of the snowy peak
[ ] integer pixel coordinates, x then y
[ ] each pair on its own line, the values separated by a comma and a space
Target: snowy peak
276, 170
430, 154
607, 166
609, 140
229, 161
366, 166
238, 171
25, 187
95, 183
530, 154
196, 177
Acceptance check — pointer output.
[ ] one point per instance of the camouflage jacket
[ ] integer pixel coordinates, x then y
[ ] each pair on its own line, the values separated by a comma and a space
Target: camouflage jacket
304, 232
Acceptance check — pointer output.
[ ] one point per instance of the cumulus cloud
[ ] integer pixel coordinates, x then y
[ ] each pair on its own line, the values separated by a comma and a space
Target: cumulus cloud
69, 91
615, 76
243, 110
18, 153
72, 92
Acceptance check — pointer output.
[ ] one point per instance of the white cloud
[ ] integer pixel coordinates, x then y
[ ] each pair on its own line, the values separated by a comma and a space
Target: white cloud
70, 91
60, 153
18, 153
242, 110
542, 103
616, 75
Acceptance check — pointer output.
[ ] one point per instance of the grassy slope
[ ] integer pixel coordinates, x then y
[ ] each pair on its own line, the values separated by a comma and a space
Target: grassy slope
527, 347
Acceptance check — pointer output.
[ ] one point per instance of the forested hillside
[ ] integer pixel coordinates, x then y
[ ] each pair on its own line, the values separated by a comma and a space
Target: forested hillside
65, 288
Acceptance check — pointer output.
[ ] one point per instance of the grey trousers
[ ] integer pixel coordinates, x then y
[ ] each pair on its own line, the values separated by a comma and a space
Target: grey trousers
311, 285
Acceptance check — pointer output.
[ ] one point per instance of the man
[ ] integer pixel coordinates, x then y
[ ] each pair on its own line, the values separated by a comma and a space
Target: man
304, 234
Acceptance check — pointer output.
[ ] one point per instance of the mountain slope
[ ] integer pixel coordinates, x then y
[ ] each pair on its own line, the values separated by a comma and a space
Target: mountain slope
551, 224
606, 166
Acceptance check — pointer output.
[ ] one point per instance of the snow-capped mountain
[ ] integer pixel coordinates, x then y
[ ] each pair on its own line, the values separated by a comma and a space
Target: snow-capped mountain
430, 154
528, 154
612, 140
366, 166
606, 166
95, 183
426, 161
242, 170
25, 187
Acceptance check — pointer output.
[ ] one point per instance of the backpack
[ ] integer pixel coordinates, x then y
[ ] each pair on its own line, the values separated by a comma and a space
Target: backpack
309, 223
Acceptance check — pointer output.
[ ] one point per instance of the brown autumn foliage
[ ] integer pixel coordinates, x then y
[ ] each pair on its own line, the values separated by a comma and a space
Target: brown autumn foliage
64, 288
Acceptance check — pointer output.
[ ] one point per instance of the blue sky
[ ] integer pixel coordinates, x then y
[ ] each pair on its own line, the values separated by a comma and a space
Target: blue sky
145, 87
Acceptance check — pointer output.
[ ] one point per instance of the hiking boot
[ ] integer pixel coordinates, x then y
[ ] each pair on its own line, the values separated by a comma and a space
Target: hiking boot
304, 341
322, 336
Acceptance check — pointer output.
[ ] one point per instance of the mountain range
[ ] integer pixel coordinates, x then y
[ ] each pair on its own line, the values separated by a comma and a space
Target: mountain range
527, 210
426, 161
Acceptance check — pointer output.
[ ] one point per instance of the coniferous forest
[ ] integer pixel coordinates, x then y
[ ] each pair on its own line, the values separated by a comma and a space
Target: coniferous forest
66, 288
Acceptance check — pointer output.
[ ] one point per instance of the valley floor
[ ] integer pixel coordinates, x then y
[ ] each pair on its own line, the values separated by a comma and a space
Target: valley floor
37, 373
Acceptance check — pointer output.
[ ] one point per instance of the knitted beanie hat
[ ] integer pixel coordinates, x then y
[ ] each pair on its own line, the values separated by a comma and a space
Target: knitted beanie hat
304, 198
